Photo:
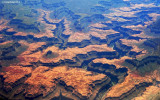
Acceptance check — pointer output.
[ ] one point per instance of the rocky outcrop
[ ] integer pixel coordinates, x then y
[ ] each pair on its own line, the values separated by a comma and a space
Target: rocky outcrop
44, 80
145, 65
138, 89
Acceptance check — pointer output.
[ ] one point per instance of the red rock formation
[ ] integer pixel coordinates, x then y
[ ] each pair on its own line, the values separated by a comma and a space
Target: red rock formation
68, 53
130, 81
43, 79
116, 62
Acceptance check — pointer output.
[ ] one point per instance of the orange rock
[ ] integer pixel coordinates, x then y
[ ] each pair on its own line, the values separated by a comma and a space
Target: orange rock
150, 94
77, 78
3, 43
14, 73
31, 46
101, 33
40, 78
130, 81
78, 37
116, 62
68, 53
134, 44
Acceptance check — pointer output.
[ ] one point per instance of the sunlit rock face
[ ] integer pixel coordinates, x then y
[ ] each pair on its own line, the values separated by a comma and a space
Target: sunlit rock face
80, 50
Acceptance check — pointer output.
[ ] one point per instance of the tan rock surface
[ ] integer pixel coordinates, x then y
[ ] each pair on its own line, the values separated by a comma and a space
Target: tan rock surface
77, 78
68, 53
116, 62
130, 81
150, 94
14, 73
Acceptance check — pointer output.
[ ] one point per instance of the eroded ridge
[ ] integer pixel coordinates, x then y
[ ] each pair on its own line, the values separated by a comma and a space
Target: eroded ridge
44, 80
